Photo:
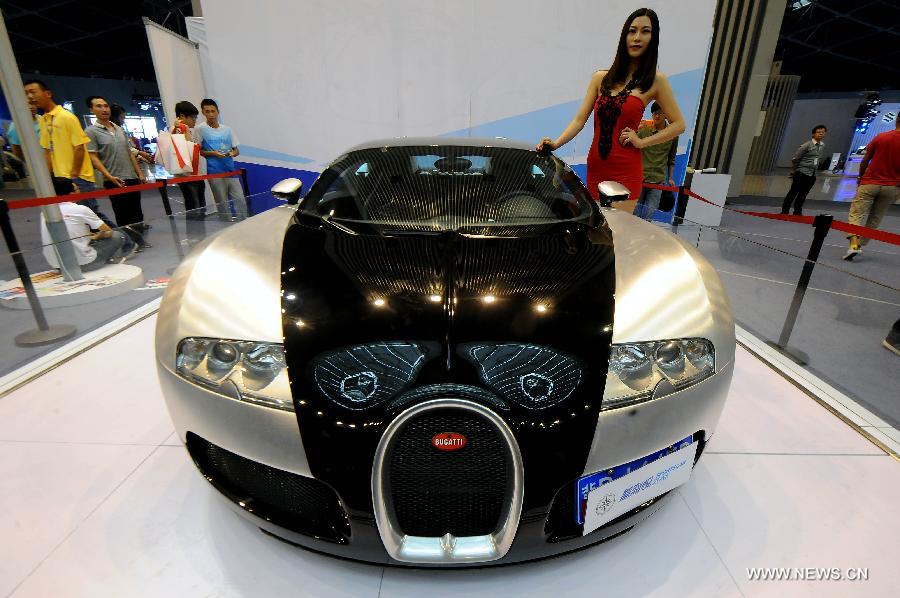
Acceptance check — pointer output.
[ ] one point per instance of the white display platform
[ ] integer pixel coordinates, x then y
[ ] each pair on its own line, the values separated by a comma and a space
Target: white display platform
100, 499
109, 281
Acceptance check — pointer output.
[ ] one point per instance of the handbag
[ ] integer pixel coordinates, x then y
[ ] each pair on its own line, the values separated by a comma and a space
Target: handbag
666, 201
176, 154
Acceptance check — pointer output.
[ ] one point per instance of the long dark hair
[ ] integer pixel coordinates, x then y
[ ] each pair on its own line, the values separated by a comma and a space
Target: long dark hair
645, 73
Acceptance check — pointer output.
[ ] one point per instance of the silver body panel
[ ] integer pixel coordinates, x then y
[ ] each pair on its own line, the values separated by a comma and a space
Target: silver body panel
665, 289
230, 287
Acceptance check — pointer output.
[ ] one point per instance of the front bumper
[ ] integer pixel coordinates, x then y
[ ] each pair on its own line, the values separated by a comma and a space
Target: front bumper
272, 438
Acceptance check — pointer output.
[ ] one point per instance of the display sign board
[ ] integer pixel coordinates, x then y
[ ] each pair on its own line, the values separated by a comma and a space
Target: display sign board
606, 502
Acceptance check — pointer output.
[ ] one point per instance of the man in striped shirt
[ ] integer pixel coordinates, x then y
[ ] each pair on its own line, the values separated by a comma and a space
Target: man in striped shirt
803, 170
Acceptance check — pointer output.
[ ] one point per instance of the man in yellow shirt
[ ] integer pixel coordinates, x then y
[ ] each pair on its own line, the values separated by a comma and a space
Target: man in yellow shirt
65, 147
62, 138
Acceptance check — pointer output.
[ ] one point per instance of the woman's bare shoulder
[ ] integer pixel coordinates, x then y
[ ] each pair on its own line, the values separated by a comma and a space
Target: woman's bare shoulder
597, 79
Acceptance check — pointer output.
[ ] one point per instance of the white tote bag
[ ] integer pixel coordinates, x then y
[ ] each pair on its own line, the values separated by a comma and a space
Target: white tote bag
177, 155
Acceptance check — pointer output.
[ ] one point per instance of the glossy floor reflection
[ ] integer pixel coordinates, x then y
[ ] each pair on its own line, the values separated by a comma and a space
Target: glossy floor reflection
99, 499
828, 187
848, 308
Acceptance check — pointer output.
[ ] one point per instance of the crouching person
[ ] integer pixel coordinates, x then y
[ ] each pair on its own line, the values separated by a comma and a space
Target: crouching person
95, 244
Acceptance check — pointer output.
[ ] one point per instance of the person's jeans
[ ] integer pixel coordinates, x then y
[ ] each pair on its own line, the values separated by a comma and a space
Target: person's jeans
648, 203
105, 248
127, 208
800, 187
85, 186
228, 188
194, 195
870, 205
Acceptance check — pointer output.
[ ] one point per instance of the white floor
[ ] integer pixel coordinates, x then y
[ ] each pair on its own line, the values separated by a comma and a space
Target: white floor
99, 499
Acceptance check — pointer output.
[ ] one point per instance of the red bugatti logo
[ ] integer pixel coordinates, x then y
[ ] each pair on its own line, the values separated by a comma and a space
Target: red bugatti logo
448, 441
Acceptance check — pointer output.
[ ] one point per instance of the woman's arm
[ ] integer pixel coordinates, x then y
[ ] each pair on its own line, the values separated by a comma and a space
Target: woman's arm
666, 100
584, 111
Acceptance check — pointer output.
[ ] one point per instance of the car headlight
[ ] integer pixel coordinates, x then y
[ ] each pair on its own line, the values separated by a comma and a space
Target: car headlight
532, 376
251, 371
362, 376
642, 371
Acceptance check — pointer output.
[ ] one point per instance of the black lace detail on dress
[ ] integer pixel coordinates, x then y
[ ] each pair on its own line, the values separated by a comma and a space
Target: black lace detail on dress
606, 114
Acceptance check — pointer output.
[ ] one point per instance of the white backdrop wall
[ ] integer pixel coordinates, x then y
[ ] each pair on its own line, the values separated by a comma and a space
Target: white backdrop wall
177, 67
301, 81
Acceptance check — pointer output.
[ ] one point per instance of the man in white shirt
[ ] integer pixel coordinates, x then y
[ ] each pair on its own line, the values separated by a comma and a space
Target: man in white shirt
93, 241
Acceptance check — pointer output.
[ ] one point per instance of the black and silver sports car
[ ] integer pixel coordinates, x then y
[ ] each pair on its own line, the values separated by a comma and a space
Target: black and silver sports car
447, 354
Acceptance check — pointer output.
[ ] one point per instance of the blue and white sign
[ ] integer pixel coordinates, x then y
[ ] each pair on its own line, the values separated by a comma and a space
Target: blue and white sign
594, 480
608, 501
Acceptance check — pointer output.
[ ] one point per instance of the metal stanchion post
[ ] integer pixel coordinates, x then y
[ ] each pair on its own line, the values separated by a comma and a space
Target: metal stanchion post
680, 208
822, 224
244, 182
247, 201
45, 334
164, 194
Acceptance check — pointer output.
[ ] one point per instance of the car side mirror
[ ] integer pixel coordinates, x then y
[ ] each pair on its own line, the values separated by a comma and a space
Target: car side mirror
611, 191
288, 190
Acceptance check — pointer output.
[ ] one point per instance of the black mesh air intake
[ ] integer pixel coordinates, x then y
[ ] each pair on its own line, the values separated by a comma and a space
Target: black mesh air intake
465, 492
298, 503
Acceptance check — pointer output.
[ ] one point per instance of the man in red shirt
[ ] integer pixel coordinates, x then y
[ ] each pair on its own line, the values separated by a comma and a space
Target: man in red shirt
879, 178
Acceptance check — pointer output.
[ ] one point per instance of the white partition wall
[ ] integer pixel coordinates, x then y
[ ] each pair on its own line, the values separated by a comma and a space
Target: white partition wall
177, 66
300, 81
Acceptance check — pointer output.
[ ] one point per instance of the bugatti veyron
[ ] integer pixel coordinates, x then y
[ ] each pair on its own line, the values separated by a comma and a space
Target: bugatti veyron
445, 354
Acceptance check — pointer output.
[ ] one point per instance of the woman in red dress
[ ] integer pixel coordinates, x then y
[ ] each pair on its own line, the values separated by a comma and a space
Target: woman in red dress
617, 98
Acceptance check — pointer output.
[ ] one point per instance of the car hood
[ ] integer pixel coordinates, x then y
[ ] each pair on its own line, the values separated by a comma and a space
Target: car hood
348, 300
341, 289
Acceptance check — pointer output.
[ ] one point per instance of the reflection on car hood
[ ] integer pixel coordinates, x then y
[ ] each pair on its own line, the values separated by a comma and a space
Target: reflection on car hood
456, 300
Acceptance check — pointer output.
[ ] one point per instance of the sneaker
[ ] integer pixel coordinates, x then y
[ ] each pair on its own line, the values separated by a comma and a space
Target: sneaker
892, 344
125, 255
851, 253
142, 247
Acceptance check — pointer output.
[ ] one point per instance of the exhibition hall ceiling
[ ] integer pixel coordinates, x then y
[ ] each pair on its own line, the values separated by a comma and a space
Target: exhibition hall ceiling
834, 45
99, 38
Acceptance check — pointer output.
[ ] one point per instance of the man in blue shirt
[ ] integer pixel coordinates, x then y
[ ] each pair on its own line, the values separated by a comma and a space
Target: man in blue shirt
219, 145
13, 136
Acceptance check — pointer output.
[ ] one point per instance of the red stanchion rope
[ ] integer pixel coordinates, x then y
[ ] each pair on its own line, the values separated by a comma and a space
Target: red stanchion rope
201, 177
33, 202
19, 204
853, 229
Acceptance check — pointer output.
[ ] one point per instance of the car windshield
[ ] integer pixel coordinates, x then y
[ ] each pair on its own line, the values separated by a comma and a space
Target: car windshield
441, 188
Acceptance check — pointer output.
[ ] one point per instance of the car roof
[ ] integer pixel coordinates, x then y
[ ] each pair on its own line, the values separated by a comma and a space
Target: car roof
444, 141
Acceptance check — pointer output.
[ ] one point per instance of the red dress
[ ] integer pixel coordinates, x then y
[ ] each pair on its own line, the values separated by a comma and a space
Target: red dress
608, 159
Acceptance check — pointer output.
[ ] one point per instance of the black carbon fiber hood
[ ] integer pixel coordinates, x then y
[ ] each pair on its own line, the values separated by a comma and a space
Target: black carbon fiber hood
435, 304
